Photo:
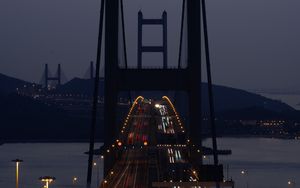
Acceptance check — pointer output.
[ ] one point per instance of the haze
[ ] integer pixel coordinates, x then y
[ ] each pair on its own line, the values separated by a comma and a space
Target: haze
254, 44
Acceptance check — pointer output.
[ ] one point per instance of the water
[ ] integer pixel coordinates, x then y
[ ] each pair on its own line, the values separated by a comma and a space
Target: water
268, 163
61, 160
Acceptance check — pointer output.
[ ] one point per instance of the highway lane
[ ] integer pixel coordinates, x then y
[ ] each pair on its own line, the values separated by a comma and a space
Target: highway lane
127, 171
165, 157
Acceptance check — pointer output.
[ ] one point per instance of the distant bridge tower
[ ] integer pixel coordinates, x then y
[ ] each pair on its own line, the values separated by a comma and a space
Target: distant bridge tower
56, 78
162, 49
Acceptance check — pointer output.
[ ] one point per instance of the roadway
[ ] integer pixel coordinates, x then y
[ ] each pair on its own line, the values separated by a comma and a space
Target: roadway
151, 147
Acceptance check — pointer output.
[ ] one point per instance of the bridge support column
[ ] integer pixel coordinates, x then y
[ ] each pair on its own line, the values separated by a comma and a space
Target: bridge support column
111, 77
194, 66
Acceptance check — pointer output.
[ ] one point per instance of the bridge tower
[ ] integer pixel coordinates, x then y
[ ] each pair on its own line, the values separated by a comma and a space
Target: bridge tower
118, 79
159, 49
56, 78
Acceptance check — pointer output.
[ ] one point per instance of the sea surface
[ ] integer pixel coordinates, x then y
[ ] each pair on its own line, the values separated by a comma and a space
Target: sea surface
267, 163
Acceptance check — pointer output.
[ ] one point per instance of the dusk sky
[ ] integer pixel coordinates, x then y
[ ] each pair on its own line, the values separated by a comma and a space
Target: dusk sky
254, 44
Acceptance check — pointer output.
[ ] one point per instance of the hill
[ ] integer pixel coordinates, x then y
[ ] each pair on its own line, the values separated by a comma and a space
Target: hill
23, 118
254, 113
9, 84
78, 86
226, 98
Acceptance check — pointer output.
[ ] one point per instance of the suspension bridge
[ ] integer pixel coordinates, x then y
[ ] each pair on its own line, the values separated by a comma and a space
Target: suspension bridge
154, 147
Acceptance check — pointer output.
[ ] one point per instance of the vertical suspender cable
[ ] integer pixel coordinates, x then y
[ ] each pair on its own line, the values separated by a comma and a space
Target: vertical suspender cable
95, 99
124, 42
210, 89
180, 44
123, 33
181, 33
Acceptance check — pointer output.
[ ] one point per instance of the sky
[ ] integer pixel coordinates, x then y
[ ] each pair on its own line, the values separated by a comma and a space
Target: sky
254, 44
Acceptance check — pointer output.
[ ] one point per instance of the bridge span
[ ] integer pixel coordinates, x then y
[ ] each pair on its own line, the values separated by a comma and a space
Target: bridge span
152, 150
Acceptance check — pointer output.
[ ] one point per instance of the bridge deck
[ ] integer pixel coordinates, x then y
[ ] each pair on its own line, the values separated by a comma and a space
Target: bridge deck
152, 150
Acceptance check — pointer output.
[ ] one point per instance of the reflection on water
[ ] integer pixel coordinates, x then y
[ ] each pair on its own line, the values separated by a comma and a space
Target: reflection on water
63, 161
267, 163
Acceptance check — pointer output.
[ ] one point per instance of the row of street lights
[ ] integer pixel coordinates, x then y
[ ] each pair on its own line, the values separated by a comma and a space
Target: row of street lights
245, 173
49, 179
45, 179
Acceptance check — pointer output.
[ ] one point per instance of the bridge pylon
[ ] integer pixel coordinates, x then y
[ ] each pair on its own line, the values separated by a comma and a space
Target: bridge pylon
158, 49
56, 78
188, 79
119, 79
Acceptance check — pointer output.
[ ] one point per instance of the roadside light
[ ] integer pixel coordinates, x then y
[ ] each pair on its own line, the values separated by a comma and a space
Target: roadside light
291, 183
17, 161
145, 143
74, 180
157, 105
47, 180
119, 143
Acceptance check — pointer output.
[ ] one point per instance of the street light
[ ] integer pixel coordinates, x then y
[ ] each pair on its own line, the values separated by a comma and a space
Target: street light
17, 161
47, 180
98, 178
245, 173
74, 180
291, 183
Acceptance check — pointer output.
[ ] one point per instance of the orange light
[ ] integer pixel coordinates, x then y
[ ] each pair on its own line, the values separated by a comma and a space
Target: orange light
119, 143
145, 143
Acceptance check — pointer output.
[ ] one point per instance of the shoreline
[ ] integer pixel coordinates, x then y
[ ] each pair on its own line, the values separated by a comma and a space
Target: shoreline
48, 141
261, 136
